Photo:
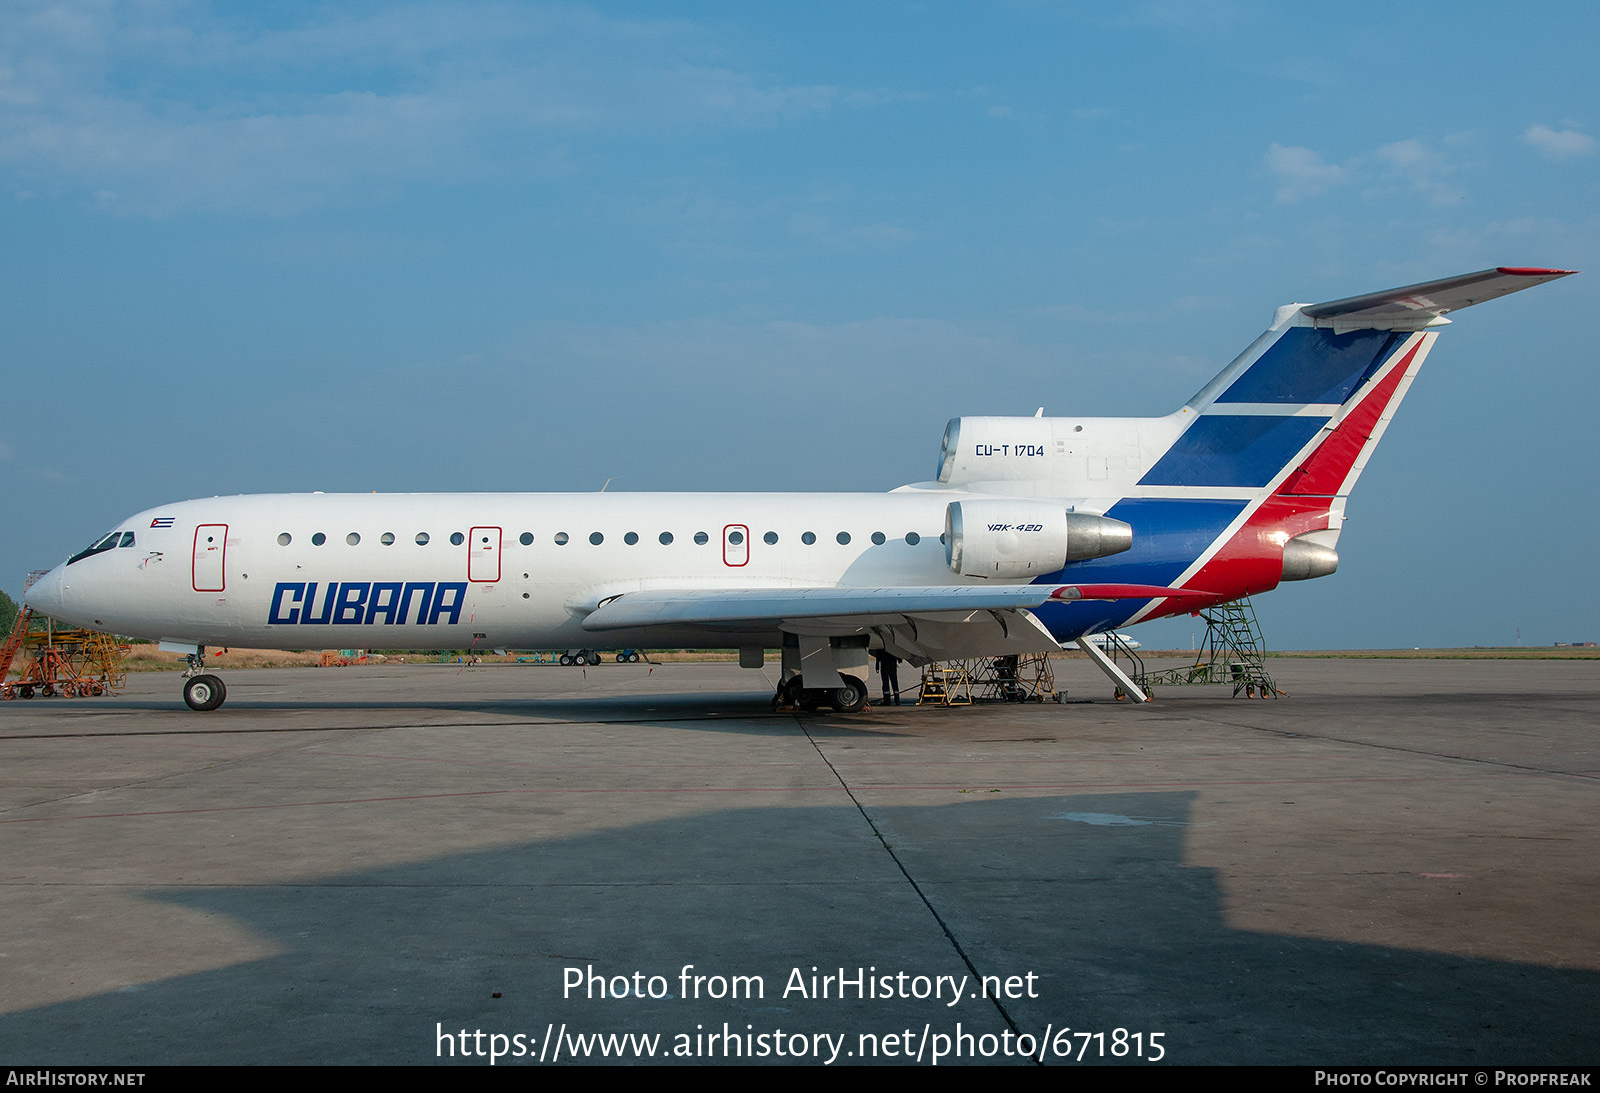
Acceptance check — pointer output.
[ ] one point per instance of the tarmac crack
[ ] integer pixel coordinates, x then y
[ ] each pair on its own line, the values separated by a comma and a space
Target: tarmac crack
888, 848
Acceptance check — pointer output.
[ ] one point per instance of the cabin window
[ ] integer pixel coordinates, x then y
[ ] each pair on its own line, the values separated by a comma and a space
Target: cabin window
318, 539
596, 538
808, 538
666, 538
878, 538
561, 538
770, 538
735, 537
701, 538
844, 538
387, 538
526, 538
631, 538
912, 538
353, 539
456, 538
284, 538
422, 538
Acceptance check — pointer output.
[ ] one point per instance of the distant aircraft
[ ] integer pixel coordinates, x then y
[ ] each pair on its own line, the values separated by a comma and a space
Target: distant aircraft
1036, 531
1105, 640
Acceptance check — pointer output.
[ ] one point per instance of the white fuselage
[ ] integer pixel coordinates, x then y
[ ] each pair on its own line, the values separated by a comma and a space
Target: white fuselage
425, 571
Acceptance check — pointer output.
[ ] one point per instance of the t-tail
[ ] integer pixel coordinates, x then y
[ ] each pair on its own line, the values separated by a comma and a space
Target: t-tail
1245, 486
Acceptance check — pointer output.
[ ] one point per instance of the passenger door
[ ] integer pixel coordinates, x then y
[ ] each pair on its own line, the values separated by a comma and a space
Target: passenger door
483, 555
209, 567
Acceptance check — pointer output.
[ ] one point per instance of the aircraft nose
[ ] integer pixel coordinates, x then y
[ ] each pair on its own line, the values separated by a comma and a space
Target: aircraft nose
45, 594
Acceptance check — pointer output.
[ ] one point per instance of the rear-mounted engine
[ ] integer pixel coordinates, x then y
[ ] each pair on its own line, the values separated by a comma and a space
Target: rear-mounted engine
1017, 538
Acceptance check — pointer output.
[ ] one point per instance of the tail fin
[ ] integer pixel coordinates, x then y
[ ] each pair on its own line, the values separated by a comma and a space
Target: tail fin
1310, 399
1245, 486
1296, 417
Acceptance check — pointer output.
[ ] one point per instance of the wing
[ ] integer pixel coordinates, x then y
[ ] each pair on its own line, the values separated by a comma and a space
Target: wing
917, 624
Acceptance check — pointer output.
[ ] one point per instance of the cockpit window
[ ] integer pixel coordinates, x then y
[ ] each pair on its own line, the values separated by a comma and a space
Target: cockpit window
127, 540
105, 542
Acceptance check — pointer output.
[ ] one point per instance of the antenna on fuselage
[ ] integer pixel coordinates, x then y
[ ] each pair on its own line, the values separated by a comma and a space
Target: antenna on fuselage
608, 482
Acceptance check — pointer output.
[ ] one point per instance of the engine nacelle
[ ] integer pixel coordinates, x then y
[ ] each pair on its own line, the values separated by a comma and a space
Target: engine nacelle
1021, 538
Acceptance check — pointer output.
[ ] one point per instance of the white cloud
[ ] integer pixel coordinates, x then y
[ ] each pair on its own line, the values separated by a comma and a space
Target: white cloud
1559, 144
1412, 164
168, 107
1301, 173
849, 236
1419, 166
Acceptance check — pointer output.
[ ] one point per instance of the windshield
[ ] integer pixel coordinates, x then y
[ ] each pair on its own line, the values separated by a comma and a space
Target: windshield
105, 542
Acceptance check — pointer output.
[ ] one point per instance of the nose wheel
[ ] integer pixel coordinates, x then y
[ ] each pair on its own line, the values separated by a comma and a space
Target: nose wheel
205, 692
201, 690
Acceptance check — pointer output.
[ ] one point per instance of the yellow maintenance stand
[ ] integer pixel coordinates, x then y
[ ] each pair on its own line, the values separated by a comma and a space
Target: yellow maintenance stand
54, 661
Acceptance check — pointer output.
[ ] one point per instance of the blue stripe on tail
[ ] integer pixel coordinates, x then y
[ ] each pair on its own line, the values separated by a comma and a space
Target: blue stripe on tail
1311, 365
1232, 450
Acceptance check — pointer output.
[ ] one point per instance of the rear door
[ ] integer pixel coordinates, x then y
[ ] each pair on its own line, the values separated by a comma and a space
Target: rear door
735, 545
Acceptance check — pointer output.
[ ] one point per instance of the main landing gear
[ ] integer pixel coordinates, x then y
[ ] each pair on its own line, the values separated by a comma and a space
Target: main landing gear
588, 656
201, 690
851, 698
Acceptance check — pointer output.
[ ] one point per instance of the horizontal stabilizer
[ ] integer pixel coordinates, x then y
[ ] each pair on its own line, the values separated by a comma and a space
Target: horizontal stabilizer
1416, 306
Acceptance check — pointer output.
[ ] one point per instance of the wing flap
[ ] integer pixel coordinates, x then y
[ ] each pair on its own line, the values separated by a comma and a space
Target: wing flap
846, 606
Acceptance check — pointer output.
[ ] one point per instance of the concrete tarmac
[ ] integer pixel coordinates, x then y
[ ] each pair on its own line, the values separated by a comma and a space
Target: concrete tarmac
1399, 863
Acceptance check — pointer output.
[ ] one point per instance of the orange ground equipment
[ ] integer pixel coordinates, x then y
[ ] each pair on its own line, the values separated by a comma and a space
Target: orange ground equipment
55, 661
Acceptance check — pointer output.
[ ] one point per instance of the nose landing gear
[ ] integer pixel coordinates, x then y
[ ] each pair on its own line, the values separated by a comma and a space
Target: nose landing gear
204, 692
201, 690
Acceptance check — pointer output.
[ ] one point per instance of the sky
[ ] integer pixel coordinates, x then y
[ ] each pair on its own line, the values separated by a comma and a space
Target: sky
713, 246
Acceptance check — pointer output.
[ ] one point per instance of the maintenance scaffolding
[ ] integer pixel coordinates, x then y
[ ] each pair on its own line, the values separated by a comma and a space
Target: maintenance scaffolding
989, 679
1232, 653
60, 661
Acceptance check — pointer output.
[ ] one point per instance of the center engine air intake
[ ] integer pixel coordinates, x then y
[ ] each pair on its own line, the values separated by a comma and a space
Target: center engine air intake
1013, 538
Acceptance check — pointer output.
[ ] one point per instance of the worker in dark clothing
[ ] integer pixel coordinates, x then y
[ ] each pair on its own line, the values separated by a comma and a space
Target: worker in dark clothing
889, 674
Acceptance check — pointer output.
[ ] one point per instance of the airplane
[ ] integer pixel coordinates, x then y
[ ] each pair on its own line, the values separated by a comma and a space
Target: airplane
1036, 531
1109, 638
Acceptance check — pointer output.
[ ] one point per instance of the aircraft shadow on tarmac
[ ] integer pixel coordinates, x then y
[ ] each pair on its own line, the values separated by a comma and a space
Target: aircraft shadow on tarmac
1087, 892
